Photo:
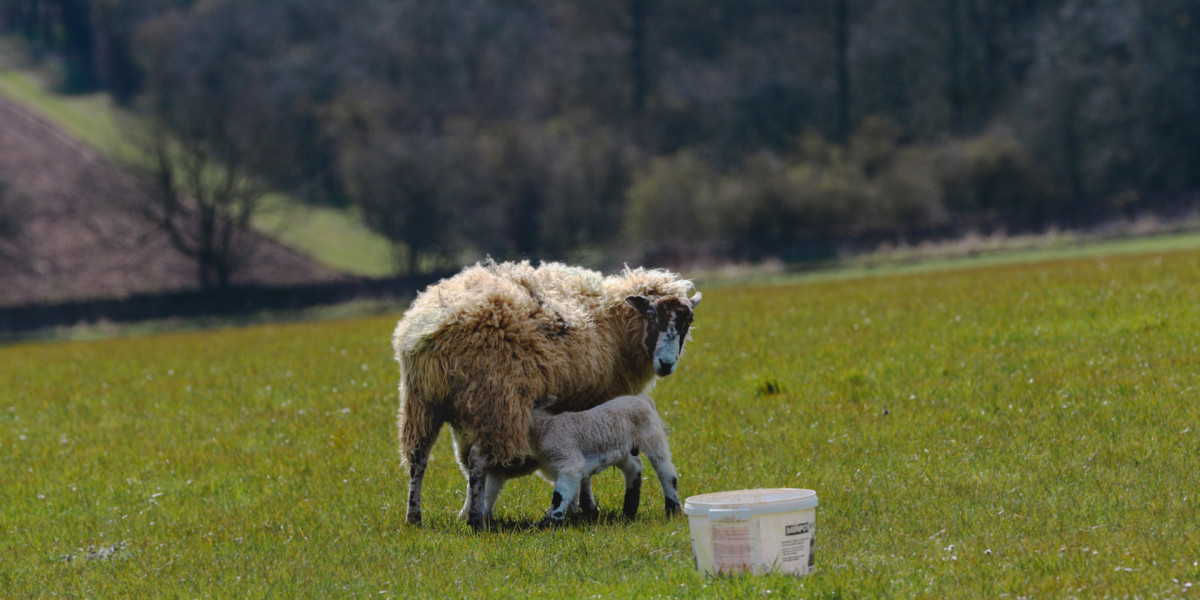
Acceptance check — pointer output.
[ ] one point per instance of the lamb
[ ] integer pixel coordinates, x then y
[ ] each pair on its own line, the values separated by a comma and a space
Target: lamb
568, 448
477, 350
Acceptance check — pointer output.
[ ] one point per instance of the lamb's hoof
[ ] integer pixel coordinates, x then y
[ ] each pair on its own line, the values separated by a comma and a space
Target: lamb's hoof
414, 518
477, 525
672, 508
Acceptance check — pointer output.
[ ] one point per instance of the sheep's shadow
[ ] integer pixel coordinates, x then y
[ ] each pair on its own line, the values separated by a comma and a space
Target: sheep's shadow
573, 522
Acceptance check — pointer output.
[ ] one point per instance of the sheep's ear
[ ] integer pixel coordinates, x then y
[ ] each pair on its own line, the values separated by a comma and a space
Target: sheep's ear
641, 303
695, 300
546, 402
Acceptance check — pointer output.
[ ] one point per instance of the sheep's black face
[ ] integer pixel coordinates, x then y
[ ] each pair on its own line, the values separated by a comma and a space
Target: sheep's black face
666, 322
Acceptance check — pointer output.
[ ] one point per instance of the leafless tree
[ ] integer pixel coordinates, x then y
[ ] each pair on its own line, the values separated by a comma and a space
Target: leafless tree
203, 199
12, 221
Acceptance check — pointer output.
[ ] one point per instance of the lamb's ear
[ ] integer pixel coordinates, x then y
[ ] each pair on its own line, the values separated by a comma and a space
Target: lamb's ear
546, 402
695, 300
641, 303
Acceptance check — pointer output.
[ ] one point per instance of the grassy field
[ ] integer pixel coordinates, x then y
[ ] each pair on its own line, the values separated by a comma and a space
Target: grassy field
1028, 430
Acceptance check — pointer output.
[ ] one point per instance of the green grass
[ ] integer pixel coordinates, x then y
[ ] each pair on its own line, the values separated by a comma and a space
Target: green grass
334, 237
964, 254
1029, 430
90, 117
1030, 249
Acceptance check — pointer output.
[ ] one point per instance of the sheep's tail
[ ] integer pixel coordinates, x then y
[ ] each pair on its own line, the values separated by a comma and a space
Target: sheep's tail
420, 416
418, 427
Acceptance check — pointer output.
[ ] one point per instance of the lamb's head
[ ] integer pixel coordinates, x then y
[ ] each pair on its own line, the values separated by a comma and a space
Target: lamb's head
665, 320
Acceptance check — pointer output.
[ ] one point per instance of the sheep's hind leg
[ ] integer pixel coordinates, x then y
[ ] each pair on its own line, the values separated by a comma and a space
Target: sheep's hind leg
418, 458
476, 480
631, 466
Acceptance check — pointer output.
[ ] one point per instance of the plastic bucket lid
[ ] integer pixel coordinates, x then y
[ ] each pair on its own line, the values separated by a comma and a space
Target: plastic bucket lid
743, 503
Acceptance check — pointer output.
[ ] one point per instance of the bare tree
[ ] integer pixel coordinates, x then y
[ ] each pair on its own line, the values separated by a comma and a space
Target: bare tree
13, 213
202, 198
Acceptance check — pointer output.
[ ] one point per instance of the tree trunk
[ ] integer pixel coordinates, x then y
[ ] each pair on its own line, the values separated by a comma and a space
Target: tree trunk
842, 43
954, 53
1072, 152
639, 72
77, 43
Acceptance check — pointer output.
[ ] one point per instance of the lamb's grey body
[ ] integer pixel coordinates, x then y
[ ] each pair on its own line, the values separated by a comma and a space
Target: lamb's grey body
569, 448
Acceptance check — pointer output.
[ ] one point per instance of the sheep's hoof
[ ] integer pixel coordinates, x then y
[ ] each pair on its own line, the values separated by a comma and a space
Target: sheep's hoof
414, 518
672, 508
477, 525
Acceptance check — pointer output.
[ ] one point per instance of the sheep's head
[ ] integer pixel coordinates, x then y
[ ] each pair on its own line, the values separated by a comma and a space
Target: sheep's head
666, 321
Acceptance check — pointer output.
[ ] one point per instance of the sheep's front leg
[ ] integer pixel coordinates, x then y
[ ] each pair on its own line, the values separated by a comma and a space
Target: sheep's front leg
493, 484
476, 474
631, 466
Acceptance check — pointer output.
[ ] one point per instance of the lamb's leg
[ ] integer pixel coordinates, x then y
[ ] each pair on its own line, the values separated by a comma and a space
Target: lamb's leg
668, 478
476, 472
586, 501
493, 483
566, 488
585, 489
573, 507
631, 466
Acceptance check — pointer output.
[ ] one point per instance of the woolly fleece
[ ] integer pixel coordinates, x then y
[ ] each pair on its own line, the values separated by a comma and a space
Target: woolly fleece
478, 349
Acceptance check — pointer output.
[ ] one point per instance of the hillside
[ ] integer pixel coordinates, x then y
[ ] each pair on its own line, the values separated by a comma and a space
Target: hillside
72, 248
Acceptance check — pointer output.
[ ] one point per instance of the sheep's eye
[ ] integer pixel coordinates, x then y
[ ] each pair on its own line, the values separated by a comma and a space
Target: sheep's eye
651, 314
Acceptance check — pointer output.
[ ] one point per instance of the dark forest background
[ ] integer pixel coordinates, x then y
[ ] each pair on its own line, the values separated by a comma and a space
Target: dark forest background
743, 129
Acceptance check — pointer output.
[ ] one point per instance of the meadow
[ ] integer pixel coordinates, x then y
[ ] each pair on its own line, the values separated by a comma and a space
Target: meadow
1025, 430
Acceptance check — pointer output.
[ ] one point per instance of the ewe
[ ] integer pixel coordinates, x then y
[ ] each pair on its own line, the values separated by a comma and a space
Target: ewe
477, 350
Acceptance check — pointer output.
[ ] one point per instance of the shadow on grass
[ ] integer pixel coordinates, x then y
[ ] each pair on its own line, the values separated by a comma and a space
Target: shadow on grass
603, 519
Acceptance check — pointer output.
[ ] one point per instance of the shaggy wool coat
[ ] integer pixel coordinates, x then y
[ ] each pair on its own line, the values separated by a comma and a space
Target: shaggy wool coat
477, 350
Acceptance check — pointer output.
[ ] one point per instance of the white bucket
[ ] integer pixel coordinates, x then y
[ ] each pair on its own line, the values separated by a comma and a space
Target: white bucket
753, 531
